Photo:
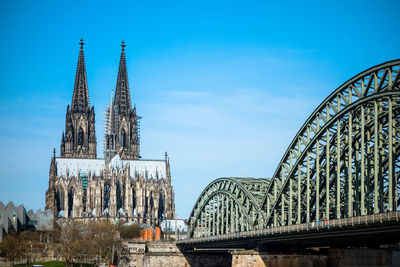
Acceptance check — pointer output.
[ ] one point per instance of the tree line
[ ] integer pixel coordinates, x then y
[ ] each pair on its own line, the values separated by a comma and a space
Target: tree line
74, 241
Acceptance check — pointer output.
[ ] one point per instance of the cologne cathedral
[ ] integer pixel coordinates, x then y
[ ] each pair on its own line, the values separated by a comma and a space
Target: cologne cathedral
119, 185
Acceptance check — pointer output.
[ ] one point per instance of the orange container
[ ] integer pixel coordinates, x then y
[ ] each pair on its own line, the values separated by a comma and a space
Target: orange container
157, 234
142, 235
149, 234
145, 234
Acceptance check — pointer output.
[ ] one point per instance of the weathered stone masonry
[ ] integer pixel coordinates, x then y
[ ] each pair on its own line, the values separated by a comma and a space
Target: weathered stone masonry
120, 185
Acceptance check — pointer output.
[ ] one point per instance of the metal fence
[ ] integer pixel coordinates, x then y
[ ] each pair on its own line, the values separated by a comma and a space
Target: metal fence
322, 225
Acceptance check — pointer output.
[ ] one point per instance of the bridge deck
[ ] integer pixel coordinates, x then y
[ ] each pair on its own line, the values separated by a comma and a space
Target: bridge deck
370, 229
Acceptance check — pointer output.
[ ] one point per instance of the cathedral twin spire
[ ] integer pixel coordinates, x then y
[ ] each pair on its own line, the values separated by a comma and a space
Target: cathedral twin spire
80, 97
122, 97
79, 139
121, 133
122, 124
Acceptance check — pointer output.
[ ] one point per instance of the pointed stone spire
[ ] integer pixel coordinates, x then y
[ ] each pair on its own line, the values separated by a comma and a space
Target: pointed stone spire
51, 191
124, 138
80, 132
168, 170
53, 170
80, 97
122, 99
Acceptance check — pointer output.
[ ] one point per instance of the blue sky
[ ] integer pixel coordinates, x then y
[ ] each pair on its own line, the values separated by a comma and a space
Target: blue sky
223, 86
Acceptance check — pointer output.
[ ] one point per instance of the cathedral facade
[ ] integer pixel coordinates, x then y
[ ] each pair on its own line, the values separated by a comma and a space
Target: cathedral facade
119, 185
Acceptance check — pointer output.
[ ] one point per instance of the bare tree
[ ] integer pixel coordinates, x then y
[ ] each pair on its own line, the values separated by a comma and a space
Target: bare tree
96, 240
11, 247
131, 231
102, 241
27, 240
69, 240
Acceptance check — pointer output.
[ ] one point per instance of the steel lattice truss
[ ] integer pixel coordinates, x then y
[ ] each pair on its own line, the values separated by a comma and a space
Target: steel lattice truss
229, 205
343, 162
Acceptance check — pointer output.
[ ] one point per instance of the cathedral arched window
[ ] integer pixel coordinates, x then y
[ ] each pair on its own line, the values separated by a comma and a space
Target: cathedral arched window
161, 206
146, 206
122, 138
151, 205
59, 200
133, 202
119, 197
107, 191
70, 133
71, 196
80, 137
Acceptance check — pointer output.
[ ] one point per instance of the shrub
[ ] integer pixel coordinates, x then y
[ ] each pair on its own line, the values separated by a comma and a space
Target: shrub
131, 231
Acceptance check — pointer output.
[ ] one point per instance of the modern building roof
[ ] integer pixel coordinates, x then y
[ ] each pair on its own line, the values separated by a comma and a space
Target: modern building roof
15, 218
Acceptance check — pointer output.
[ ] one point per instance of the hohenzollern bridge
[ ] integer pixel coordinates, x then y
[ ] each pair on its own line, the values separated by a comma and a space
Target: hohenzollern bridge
338, 182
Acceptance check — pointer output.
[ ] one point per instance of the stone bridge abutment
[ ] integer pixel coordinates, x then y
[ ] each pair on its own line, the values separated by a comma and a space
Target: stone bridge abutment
148, 254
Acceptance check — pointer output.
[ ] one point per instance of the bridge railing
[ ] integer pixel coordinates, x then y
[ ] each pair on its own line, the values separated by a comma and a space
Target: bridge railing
322, 225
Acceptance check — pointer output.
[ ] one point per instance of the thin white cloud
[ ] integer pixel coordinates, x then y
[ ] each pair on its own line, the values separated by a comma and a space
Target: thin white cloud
209, 135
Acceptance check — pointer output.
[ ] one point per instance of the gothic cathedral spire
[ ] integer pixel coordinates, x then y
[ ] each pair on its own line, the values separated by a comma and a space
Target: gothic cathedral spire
122, 99
80, 97
79, 140
122, 124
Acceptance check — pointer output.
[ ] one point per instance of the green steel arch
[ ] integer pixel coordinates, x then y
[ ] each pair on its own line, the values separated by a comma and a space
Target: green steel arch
343, 162
228, 205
